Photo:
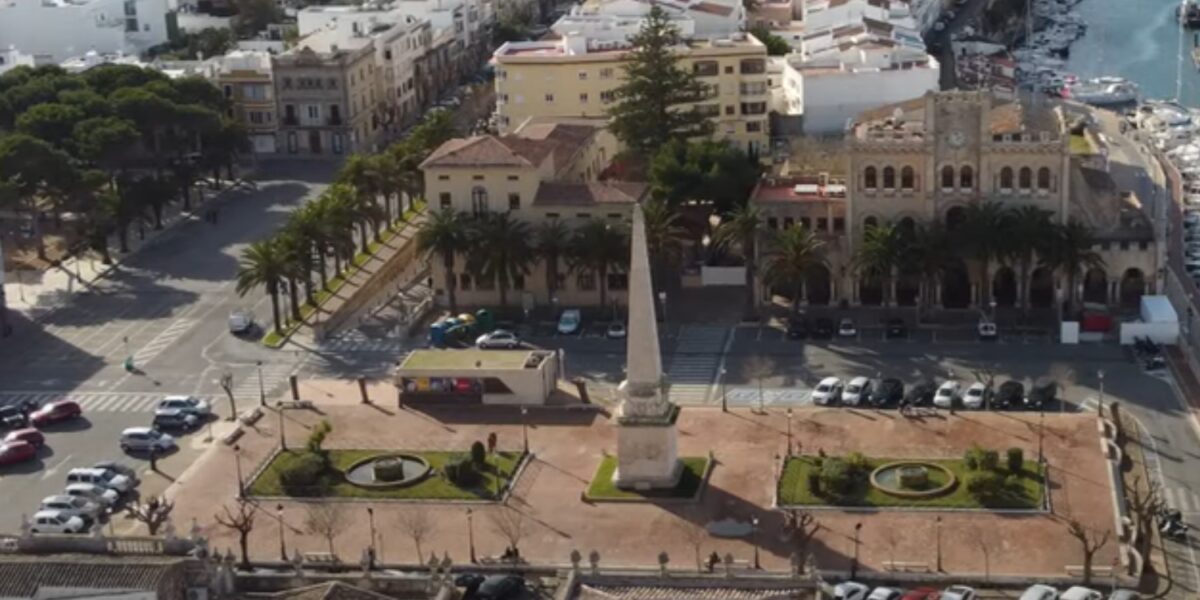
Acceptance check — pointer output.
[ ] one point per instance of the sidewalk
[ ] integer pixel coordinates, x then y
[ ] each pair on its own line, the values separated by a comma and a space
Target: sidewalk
35, 294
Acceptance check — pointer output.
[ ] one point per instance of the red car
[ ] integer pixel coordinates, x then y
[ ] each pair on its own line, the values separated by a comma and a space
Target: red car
921, 593
54, 412
29, 434
12, 453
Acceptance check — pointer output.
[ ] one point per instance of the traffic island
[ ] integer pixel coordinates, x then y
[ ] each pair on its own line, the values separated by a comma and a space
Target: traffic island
693, 476
433, 475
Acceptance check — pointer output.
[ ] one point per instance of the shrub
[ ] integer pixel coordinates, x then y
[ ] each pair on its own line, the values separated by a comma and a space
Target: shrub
478, 454
814, 482
989, 460
302, 472
973, 457
857, 462
836, 476
1015, 459
317, 438
985, 486
462, 473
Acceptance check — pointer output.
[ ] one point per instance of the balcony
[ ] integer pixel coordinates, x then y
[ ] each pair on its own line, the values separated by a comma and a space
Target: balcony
334, 120
290, 121
756, 88
754, 108
753, 67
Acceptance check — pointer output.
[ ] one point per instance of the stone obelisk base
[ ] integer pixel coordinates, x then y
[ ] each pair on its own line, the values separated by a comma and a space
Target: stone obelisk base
647, 456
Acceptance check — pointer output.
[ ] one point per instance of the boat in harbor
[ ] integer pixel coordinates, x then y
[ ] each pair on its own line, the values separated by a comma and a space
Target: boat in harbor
1102, 91
1189, 13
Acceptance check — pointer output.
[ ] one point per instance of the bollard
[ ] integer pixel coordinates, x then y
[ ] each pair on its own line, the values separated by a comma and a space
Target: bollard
362, 389
295, 387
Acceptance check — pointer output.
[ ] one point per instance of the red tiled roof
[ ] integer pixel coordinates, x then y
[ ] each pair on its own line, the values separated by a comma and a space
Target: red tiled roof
555, 193
529, 147
712, 8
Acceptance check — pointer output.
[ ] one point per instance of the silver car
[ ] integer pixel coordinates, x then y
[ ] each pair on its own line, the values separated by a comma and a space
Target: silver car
89, 491
73, 505
145, 439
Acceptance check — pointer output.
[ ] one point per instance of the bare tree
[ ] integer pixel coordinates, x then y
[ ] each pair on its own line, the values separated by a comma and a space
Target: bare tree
1090, 542
1144, 502
326, 519
511, 525
227, 385
983, 542
154, 513
757, 368
987, 376
803, 527
419, 526
892, 539
242, 522
689, 527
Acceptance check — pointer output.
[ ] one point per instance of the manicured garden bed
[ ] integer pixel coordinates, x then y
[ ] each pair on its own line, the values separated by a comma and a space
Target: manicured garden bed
436, 486
690, 482
1026, 491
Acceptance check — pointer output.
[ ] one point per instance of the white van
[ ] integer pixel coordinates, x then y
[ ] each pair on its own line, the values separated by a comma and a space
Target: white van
946, 394
100, 477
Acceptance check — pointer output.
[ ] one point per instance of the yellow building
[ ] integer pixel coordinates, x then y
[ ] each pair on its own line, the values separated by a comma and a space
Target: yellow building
245, 80
575, 77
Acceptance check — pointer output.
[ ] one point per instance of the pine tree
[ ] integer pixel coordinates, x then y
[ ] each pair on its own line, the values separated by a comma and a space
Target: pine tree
653, 105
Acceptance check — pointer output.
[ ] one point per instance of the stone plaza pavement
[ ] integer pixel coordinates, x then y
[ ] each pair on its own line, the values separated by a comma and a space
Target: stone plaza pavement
569, 444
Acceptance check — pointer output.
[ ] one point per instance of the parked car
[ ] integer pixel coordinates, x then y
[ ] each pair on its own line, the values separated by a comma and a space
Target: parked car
119, 469
174, 419
73, 505
616, 331
976, 396
145, 439
55, 412
1043, 393
101, 477
11, 417
1011, 394
959, 592
28, 434
896, 329
12, 453
856, 391
500, 587
846, 328
1039, 591
100, 495
499, 338
884, 593
1124, 595
887, 392
921, 393
828, 391
241, 322
569, 321
988, 331
797, 328
947, 394
53, 521
1078, 592
850, 590
823, 328
186, 404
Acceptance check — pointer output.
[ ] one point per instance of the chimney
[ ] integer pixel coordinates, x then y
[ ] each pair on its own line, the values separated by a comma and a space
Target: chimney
575, 44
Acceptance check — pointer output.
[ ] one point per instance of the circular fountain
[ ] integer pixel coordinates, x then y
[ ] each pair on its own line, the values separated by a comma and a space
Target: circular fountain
388, 471
913, 479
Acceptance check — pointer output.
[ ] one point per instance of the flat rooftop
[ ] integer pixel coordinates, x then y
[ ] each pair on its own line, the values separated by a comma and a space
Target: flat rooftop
466, 359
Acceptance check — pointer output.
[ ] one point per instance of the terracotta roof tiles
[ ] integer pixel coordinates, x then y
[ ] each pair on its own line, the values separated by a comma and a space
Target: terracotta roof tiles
556, 193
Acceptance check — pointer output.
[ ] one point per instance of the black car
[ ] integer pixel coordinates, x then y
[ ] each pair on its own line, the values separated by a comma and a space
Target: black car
896, 329
1010, 395
12, 417
888, 392
500, 587
797, 328
1042, 394
469, 582
823, 328
175, 420
921, 393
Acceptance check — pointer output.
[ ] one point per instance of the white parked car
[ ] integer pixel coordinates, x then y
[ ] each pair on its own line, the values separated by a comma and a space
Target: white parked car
884, 593
959, 592
53, 521
616, 331
946, 394
499, 338
1039, 591
569, 321
1079, 592
846, 328
828, 391
857, 391
850, 590
975, 396
102, 478
186, 404
100, 495
145, 439
241, 321
988, 331
77, 506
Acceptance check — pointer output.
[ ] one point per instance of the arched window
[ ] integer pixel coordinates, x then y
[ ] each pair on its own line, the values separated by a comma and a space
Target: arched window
889, 178
907, 178
479, 200
869, 178
1044, 178
1006, 178
1026, 178
947, 177
966, 178
870, 223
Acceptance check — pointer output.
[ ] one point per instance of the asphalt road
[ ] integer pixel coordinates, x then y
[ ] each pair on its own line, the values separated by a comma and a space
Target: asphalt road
166, 306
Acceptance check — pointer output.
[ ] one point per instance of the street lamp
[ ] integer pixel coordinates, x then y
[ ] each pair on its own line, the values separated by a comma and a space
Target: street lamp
724, 404
262, 392
1100, 402
937, 523
282, 440
854, 564
237, 458
754, 535
371, 525
525, 429
282, 547
789, 446
471, 535
992, 304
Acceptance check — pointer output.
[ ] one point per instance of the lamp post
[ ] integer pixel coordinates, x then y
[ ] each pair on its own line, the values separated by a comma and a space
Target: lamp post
1100, 402
789, 446
854, 563
754, 535
525, 429
1041, 433
471, 535
662, 298
282, 547
371, 525
937, 524
237, 459
724, 404
262, 391
282, 440
992, 305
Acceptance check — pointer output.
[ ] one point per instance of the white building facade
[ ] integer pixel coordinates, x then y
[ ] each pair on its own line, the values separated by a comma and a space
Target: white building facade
54, 30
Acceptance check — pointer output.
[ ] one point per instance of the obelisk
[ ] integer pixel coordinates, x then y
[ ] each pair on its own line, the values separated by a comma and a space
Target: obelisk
646, 434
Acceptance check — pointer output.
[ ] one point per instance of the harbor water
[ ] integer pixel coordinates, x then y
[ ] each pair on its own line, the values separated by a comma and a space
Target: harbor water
1141, 41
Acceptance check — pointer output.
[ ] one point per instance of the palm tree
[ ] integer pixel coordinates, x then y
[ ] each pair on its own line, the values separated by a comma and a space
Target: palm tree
880, 255
404, 173
306, 224
665, 238
445, 234
743, 227
502, 250
364, 173
597, 247
553, 242
793, 255
982, 233
926, 252
297, 252
1070, 253
1027, 231
263, 263
337, 225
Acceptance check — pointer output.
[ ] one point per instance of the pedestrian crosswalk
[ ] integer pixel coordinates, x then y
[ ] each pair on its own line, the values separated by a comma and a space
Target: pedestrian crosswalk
1182, 499
694, 364
162, 341
751, 396
355, 340
274, 376
123, 402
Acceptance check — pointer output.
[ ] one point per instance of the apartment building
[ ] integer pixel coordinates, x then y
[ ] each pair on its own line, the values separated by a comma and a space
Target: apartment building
245, 78
698, 18
54, 30
326, 89
575, 77
545, 170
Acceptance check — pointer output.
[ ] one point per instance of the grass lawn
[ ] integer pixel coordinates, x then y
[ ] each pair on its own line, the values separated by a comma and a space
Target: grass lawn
1081, 145
603, 488
794, 490
434, 487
